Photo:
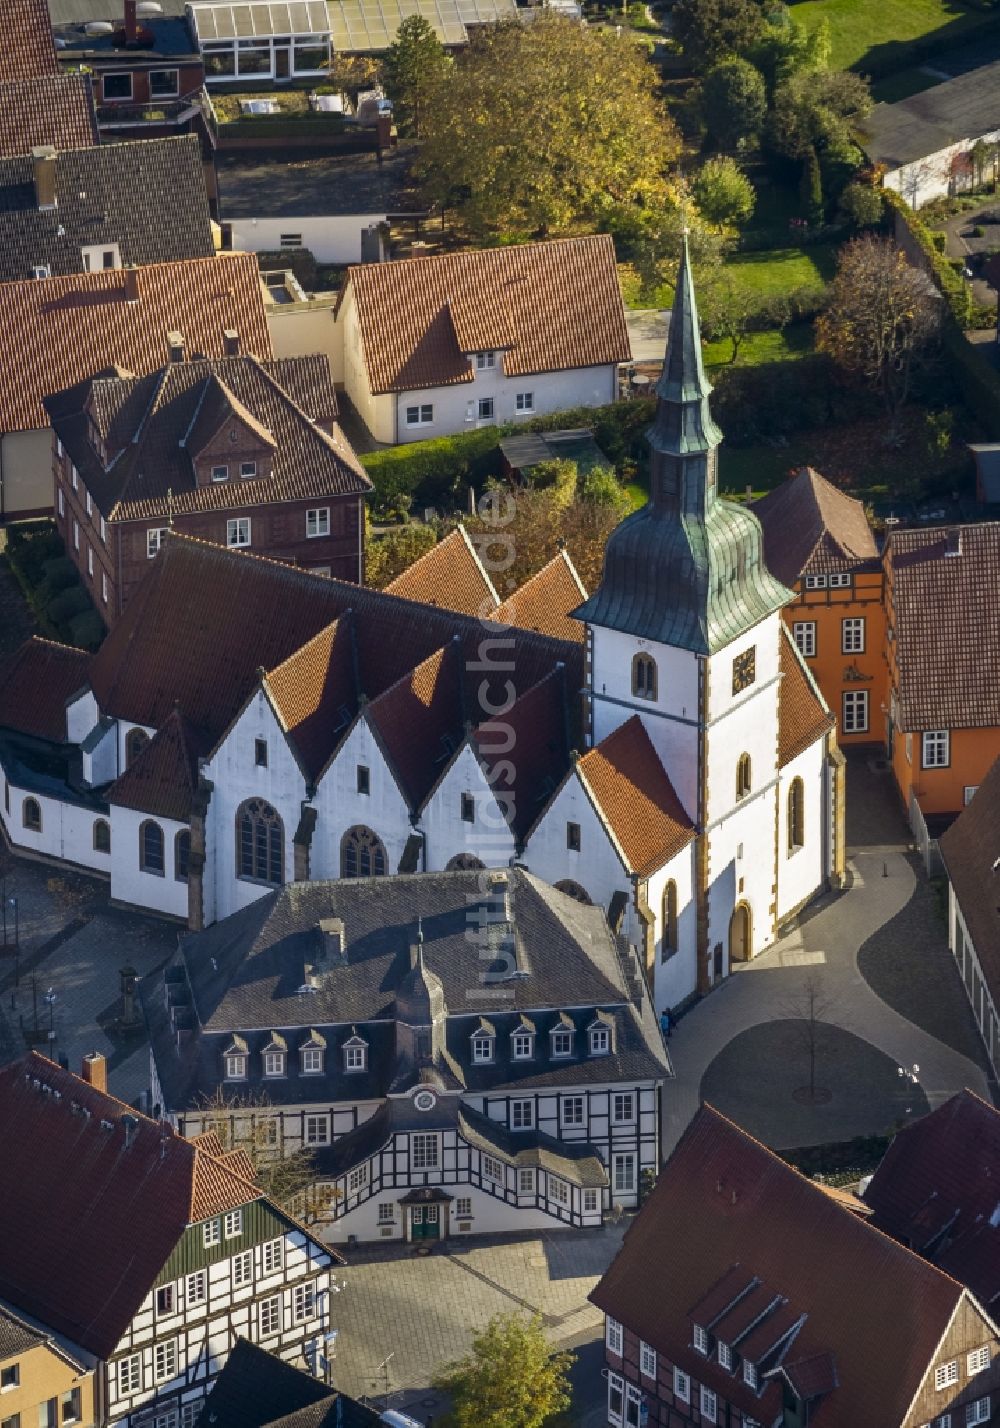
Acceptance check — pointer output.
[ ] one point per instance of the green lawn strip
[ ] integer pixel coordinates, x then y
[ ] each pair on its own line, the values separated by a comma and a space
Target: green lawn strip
774, 271
860, 26
791, 342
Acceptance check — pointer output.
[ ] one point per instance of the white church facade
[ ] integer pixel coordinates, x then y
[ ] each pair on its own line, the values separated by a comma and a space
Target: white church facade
248, 726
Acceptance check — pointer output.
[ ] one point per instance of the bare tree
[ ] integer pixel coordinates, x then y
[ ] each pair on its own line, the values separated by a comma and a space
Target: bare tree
249, 1123
807, 1009
882, 317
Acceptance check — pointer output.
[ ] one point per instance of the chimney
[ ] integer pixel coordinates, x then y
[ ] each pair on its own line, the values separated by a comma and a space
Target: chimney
131, 23
175, 343
131, 283
332, 940
231, 342
131, 1128
43, 161
954, 541
95, 1071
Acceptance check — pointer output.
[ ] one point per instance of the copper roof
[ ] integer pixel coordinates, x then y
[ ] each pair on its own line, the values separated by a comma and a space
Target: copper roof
803, 716
83, 323
544, 602
946, 620
739, 1204
164, 778
154, 428
56, 109
26, 44
810, 528
96, 1219
550, 306
451, 575
36, 683
636, 799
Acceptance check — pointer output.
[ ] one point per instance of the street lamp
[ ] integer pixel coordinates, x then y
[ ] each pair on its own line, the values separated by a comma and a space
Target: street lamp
50, 1001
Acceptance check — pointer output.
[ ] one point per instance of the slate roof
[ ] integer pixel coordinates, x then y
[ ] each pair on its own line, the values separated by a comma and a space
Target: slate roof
84, 323
36, 683
544, 601
803, 714
451, 575
970, 848
811, 528
258, 1390
96, 1220
149, 198
937, 1189
748, 1216
204, 619
963, 108
947, 626
256, 186
155, 427
16, 1337
244, 975
635, 798
26, 47
164, 778
53, 109
551, 306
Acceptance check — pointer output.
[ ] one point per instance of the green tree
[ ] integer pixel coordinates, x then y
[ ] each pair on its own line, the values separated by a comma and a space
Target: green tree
812, 188
733, 102
558, 477
818, 110
710, 30
723, 193
787, 47
511, 1379
527, 137
414, 66
862, 204
601, 487
388, 555
726, 306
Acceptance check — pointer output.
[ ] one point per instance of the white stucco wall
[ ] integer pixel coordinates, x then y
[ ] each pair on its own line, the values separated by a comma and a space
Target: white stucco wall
596, 866
931, 177
488, 838
67, 830
131, 883
802, 872
81, 716
676, 978
330, 239
339, 805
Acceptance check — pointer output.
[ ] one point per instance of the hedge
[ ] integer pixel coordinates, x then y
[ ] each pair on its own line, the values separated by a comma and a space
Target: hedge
978, 379
59, 573
840, 1160
948, 276
70, 602
429, 473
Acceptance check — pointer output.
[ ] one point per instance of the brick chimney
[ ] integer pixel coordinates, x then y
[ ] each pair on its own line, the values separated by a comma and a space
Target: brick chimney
175, 343
131, 23
231, 342
43, 162
95, 1070
131, 283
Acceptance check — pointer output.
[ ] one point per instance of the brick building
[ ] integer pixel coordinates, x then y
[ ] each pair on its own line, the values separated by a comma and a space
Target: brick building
242, 452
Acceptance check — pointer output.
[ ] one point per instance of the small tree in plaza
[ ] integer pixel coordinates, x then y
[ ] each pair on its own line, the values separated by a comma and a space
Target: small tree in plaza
510, 1379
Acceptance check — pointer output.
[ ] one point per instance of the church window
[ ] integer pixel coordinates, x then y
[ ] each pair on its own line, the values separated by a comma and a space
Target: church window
182, 855
669, 943
362, 854
644, 676
463, 862
796, 815
151, 847
573, 837
31, 815
573, 890
260, 840
743, 776
135, 741
102, 836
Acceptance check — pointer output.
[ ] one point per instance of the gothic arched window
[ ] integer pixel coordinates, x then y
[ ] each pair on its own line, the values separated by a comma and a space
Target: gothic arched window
260, 842
135, 741
362, 854
151, 847
644, 676
669, 944
102, 835
31, 815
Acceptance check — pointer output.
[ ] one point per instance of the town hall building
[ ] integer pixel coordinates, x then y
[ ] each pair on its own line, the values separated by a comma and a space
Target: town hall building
247, 725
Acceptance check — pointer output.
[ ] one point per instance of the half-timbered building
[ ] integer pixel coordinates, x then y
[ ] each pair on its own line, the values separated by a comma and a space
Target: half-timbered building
151, 1252
464, 1051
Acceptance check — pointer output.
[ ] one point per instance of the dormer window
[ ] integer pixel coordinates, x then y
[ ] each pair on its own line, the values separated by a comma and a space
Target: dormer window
311, 1055
482, 1048
600, 1039
220, 473
562, 1041
749, 1374
522, 1045
274, 1063
236, 1068
700, 1339
725, 1355
355, 1054
485, 361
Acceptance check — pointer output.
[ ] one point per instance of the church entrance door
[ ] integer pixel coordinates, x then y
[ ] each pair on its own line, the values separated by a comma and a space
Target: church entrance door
740, 934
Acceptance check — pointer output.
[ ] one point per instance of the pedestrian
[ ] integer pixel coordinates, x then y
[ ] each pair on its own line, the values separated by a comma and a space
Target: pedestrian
666, 1023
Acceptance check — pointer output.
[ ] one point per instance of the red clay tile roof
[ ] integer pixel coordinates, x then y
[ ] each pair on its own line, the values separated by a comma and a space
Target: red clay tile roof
810, 528
154, 428
84, 323
95, 1220
36, 683
942, 1173
543, 603
550, 306
803, 716
946, 619
54, 109
532, 739
419, 721
26, 44
315, 694
164, 778
450, 575
636, 799
723, 1199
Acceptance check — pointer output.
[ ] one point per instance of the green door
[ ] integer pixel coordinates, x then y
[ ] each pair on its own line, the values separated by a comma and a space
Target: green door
425, 1222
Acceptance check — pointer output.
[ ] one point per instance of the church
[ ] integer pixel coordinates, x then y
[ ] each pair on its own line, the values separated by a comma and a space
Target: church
248, 725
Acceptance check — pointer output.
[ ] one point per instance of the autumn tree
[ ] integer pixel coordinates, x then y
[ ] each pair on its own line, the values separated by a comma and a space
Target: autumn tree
511, 1378
819, 110
541, 127
786, 47
723, 193
733, 102
881, 319
711, 30
249, 1123
389, 554
414, 68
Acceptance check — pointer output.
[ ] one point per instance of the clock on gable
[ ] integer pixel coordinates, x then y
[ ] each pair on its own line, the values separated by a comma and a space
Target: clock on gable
744, 669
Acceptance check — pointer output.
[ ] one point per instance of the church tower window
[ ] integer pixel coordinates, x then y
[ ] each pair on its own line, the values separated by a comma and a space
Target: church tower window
742, 776
644, 676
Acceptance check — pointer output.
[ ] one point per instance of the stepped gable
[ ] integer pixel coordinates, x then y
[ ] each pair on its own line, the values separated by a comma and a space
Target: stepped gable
636, 799
544, 603
451, 575
163, 780
812, 528
36, 684
534, 736
204, 620
748, 1218
803, 714
315, 693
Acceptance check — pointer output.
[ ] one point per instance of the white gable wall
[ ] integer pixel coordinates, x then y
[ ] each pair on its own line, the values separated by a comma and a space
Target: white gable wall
596, 867
676, 978
488, 838
82, 714
130, 883
339, 805
804, 870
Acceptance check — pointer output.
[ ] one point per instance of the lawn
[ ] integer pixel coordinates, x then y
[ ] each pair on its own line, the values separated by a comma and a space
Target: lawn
758, 347
858, 27
780, 270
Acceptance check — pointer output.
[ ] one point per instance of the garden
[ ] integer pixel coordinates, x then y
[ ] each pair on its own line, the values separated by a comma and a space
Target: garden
51, 585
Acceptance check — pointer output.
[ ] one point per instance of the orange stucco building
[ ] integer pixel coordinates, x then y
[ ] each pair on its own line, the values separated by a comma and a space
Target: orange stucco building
818, 542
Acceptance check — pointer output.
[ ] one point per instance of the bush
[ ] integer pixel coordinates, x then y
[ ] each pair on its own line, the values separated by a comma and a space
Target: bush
939, 241
771, 400
430, 472
863, 205
59, 573
86, 630
72, 601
